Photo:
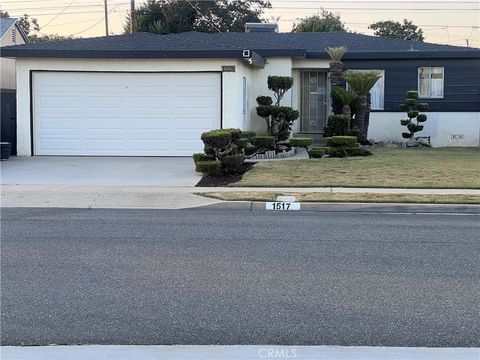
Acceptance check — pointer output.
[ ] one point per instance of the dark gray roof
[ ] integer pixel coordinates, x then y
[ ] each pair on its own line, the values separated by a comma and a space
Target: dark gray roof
231, 45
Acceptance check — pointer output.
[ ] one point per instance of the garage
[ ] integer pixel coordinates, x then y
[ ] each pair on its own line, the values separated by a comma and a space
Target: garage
123, 113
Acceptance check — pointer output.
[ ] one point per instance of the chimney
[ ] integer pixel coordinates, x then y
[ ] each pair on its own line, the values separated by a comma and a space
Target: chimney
261, 27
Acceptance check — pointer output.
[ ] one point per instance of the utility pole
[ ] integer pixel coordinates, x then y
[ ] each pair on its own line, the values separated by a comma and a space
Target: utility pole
132, 16
468, 43
106, 16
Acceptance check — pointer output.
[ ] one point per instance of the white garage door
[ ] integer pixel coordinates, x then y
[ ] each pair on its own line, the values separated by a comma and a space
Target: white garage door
124, 114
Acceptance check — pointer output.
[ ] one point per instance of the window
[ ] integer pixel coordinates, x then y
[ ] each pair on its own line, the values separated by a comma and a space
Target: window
378, 92
430, 82
244, 106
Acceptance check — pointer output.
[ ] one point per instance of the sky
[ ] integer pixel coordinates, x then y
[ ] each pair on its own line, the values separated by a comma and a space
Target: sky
443, 21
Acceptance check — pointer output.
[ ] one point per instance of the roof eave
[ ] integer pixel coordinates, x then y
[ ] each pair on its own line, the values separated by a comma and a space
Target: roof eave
474, 53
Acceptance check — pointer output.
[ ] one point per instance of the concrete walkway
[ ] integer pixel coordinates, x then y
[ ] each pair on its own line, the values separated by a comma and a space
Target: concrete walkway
233, 352
148, 197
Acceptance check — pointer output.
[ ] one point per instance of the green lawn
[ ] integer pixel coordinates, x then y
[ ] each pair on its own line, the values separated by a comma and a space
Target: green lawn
396, 168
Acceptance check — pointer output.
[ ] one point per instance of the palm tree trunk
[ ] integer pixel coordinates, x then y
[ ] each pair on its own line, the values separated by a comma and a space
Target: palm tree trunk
358, 122
336, 78
367, 119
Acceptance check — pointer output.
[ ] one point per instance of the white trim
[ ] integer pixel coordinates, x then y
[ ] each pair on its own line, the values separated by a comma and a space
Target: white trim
443, 82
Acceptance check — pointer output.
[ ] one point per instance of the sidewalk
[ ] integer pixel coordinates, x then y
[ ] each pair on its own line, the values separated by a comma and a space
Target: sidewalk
233, 352
81, 196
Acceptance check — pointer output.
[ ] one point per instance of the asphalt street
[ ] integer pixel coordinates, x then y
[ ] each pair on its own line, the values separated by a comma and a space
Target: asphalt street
72, 276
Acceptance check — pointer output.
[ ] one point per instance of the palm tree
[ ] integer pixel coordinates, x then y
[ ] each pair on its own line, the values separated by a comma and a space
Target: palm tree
346, 98
336, 72
362, 82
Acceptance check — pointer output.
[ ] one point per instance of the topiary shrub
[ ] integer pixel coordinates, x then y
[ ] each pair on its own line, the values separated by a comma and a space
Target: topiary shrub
300, 142
316, 153
231, 164
413, 109
210, 167
201, 157
249, 135
341, 141
250, 149
264, 142
337, 125
279, 119
223, 152
220, 142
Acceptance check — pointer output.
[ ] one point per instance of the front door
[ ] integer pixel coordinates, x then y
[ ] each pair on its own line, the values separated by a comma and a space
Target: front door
314, 97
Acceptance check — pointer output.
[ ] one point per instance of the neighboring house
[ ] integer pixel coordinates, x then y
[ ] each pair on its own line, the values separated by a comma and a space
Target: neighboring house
10, 34
152, 95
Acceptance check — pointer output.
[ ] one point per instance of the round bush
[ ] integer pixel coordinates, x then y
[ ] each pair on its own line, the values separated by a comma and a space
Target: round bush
403, 107
412, 94
210, 167
341, 141
337, 125
410, 102
421, 118
232, 163
422, 106
300, 142
264, 100
264, 142
412, 114
404, 122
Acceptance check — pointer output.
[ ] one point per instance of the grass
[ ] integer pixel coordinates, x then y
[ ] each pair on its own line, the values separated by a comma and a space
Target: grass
386, 168
345, 197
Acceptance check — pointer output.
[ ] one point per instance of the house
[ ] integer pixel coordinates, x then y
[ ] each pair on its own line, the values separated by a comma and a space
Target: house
153, 95
10, 34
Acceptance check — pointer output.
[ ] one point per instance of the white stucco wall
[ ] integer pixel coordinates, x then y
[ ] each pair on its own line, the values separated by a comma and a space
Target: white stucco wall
277, 67
231, 82
445, 128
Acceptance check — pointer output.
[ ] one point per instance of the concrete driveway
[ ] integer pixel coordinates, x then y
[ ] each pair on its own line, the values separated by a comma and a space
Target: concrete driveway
99, 171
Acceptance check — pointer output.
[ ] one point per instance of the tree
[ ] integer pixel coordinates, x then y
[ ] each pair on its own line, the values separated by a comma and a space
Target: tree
397, 30
279, 119
36, 38
174, 16
361, 82
26, 23
413, 112
326, 21
336, 73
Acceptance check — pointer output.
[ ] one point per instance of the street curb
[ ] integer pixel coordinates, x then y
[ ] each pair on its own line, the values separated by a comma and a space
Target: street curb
352, 207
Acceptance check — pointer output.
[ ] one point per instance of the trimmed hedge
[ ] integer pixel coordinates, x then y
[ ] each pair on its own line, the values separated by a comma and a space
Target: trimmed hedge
337, 125
231, 164
300, 142
264, 141
250, 149
317, 152
341, 141
210, 167
202, 157
249, 134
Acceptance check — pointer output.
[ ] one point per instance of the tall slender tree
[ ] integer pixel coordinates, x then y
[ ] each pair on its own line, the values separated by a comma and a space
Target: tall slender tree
361, 82
336, 73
